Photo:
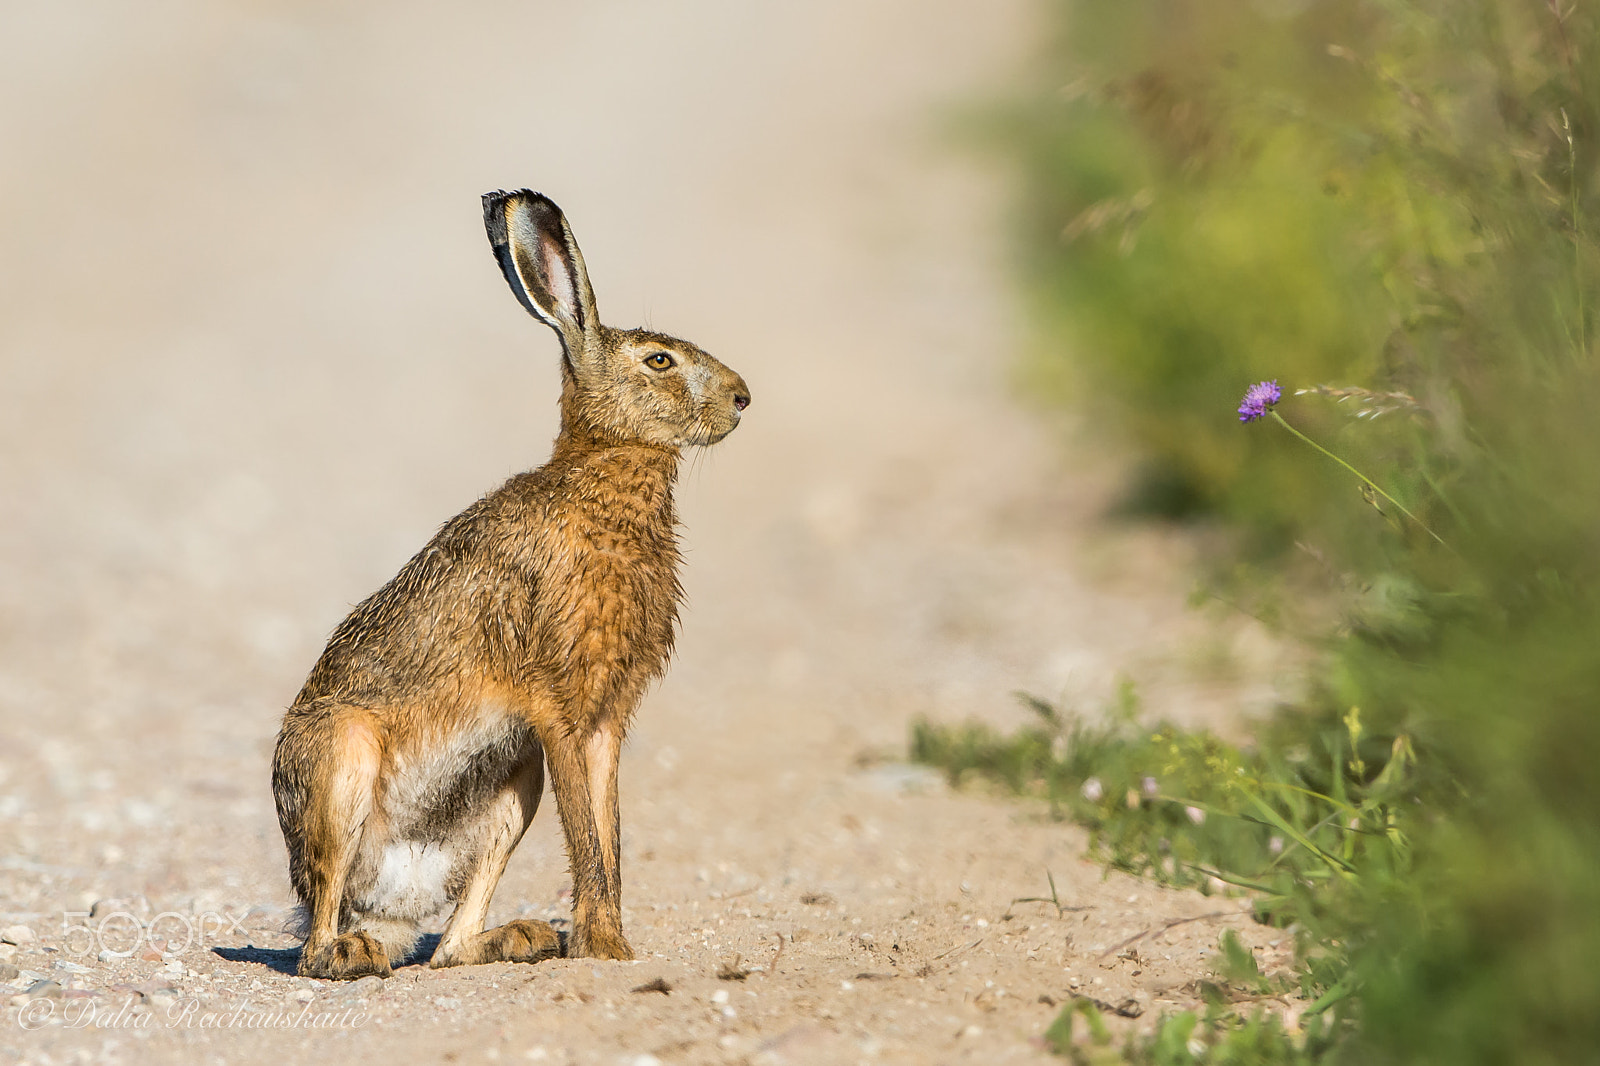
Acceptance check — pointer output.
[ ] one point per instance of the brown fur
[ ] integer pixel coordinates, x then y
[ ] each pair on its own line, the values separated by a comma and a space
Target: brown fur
523, 634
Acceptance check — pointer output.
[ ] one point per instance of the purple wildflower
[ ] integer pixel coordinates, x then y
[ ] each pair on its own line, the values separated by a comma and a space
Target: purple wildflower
1259, 399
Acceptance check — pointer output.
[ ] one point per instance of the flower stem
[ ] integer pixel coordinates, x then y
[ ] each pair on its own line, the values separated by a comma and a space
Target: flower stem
1364, 478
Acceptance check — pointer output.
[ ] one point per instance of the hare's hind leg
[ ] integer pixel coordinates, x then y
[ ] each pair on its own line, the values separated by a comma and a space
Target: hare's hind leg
497, 832
324, 776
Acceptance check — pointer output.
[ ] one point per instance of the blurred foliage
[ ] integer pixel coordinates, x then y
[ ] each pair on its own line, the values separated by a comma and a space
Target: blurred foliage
1380, 199
1352, 193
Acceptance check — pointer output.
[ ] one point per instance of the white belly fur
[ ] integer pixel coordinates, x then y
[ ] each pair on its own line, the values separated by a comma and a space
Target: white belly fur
411, 880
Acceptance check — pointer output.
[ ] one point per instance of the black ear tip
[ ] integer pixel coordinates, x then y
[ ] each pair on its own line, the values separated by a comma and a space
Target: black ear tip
494, 215
495, 205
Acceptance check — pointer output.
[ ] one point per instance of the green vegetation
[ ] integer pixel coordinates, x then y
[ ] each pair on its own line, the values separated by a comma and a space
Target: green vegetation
1390, 205
1302, 821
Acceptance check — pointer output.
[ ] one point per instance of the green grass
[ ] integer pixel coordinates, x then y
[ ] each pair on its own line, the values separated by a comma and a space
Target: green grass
1297, 827
1392, 197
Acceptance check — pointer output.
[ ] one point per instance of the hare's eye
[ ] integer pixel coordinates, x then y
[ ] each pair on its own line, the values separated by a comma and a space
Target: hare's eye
658, 361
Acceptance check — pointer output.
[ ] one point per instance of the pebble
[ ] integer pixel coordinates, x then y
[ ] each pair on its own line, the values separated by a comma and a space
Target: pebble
72, 967
8, 972
17, 934
370, 985
7, 952
446, 1002
46, 988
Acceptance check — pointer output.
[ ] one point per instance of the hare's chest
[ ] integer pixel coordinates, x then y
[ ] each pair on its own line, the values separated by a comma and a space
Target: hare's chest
610, 598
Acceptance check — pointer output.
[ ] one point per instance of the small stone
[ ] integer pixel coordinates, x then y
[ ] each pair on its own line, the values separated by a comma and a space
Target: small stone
446, 1002
17, 934
107, 955
71, 967
8, 972
7, 952
174, 966
46, 988
368, 986
646, 1059
302, 995
972, 1031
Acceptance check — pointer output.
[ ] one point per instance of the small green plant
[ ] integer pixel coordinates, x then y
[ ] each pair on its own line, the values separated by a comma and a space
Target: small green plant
1298, 826
1217, 1035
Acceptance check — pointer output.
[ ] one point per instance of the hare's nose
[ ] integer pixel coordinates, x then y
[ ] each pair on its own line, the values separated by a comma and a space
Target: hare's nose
740, 402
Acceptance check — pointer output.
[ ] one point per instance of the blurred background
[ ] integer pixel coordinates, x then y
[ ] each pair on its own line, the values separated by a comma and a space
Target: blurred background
997, 274
255, 351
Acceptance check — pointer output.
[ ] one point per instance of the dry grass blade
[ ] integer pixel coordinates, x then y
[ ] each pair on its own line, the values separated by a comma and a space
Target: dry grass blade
1115, 948
1053, 899
1369, 403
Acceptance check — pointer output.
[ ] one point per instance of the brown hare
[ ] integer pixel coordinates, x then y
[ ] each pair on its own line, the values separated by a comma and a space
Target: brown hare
524, 633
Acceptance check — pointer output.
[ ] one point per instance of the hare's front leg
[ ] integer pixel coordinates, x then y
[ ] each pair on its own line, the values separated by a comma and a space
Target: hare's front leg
497, 833
583, 775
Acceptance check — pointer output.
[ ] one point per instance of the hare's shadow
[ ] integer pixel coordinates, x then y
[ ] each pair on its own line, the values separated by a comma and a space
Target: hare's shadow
286, 960
281, 960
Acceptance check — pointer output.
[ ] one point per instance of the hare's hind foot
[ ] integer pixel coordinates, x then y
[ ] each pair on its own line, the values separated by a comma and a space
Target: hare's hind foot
345, 958
522, 940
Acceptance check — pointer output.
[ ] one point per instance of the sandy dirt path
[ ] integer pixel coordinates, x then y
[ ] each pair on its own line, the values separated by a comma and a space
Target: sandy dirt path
254, 351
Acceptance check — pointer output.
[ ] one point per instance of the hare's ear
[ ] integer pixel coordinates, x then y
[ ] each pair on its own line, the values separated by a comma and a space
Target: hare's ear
542, 263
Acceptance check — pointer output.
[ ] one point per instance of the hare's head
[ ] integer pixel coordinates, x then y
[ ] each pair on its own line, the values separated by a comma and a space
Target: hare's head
624, 384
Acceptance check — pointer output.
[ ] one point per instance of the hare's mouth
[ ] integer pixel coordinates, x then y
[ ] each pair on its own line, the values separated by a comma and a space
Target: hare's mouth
705, 432
706, 440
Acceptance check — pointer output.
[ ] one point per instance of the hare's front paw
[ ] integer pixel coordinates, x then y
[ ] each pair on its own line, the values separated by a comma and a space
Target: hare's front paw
345, 959
599, 944
521, 940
